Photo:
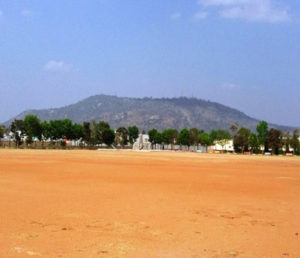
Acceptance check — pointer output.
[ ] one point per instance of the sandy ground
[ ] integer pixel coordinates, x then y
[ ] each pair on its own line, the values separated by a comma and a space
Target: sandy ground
130, 204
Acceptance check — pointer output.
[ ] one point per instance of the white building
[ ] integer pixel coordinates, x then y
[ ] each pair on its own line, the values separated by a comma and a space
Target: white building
142, 143
227, 146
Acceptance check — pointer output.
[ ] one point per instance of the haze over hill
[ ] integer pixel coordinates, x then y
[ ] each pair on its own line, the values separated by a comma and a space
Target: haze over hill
149, 113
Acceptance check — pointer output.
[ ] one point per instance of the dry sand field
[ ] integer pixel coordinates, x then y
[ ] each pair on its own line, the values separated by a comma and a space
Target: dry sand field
148, 204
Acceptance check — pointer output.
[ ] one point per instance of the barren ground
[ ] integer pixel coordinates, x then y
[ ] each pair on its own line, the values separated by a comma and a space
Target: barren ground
130, 204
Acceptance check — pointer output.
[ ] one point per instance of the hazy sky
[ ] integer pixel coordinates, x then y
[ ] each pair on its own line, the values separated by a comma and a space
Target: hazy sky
242, 53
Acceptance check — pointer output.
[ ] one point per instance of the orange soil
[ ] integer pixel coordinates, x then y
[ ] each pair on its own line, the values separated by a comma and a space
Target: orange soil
154, 204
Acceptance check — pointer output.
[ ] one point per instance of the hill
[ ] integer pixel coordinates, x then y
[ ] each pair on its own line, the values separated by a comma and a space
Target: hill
149, 113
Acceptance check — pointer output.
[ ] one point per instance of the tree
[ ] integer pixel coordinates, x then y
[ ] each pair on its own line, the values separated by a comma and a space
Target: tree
204, 139
101, 133
108, 136
17, 128
213, 135
153, 139
158, 138
170, 136
194, 136
152, 134
98, 131
295, 141
184, 137
2, 131
241, 139
54, 129
274, 140
262, 134
32, 128
77, 132
253, 142
66, 129
60, 130
46, 131
133, 133
122, 134
87, 133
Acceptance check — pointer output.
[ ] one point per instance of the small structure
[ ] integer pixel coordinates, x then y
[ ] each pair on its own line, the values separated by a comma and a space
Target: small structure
227, 147
142, 143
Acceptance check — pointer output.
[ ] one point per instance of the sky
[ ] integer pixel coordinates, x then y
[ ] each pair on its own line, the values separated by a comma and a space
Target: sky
241, 53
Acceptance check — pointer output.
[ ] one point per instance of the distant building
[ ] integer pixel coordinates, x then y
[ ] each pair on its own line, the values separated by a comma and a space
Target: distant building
228, 146
142, 143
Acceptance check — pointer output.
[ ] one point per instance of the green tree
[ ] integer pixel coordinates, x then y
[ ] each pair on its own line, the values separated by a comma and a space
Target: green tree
158, 138
204, 139
152, 134
295, 141
46, 131
58, 130
32, 128
262, 134
17, 129
108, 136
122, 136
253, 142
2, 131
55, 130
77, 132
170, 136
133, 133
213, 135
98, 131
274, 140
241, 140
102, 133
153, 137
194, 132
184, 137
67, 129
87, 133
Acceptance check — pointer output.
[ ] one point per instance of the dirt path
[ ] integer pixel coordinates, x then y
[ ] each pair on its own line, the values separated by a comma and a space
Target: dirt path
129, 204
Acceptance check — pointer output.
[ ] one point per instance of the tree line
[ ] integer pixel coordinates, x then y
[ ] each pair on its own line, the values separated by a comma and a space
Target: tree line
188, 137
265, 139
92, 134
